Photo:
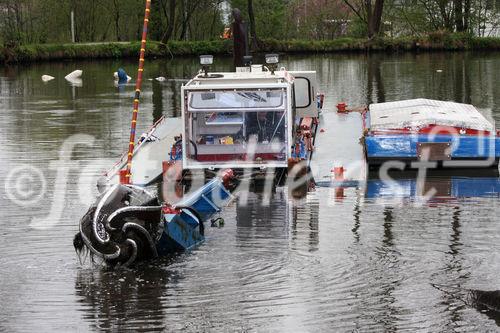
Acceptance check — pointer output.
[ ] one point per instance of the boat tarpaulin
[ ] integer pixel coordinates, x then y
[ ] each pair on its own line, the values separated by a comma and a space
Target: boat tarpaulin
419, 113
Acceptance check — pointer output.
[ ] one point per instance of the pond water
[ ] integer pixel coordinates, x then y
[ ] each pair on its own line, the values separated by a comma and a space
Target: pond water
322, 263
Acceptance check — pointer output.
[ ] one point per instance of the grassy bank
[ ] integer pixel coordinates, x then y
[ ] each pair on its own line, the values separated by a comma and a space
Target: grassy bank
432, 42
40, 52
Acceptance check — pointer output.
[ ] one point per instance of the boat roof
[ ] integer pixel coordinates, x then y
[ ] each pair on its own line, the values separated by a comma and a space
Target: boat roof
418, 113
238, 79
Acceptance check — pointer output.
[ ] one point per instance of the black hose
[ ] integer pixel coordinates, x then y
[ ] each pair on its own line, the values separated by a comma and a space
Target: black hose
195, 149
194, 146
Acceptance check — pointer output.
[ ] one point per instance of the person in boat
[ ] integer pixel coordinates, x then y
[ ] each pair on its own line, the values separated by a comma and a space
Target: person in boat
267, 126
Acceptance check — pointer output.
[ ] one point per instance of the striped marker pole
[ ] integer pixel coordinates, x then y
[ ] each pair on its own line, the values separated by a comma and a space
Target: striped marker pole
138, 85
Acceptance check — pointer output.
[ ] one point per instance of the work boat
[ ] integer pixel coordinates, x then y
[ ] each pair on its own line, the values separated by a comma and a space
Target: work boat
252, 123
451, 135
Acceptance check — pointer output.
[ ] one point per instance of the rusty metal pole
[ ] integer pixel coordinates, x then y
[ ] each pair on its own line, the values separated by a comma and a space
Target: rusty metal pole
138, 85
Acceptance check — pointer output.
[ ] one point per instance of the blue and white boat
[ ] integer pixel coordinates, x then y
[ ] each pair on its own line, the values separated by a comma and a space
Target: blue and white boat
452, 135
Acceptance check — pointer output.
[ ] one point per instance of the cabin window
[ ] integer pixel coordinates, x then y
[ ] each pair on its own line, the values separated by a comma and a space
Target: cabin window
237, 137
237, 99
302, 89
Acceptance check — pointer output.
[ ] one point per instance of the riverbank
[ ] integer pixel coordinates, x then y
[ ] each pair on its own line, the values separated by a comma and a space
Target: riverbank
432, 42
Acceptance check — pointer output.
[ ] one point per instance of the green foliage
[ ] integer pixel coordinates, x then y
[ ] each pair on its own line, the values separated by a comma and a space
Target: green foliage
449, 41
358, 28
198, 47
194, 27
34, 52
24, 22
270, 16
270, 19
485, 43
49, 21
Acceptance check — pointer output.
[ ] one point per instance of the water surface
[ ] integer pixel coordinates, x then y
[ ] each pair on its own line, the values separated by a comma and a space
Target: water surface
328, 262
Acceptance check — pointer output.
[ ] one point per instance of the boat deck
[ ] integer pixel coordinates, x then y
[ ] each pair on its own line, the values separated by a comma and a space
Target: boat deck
338, 144
147, 166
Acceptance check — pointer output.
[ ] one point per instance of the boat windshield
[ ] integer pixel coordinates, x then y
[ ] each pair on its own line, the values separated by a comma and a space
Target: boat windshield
237, 99
236, 138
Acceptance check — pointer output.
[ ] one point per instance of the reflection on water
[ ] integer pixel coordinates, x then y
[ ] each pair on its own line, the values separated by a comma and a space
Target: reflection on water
119, 300
336, 260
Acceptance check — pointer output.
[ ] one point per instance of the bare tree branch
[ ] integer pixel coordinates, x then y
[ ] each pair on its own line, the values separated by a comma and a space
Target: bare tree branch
356, 11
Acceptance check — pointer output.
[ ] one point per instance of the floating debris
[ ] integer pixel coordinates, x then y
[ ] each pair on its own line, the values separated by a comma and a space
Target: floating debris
75, 78
47, 78
121, 76
75, 82
74, 75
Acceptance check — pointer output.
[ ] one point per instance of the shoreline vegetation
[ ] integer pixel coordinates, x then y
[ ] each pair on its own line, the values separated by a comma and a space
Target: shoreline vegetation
432, 42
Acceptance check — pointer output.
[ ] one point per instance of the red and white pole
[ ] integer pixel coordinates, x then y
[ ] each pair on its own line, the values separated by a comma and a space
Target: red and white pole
138, 85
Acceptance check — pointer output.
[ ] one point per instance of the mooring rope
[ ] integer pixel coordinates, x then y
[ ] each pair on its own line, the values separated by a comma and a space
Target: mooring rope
138, 85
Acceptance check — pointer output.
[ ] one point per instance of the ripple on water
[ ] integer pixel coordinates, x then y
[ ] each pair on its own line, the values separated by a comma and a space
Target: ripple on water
322, 263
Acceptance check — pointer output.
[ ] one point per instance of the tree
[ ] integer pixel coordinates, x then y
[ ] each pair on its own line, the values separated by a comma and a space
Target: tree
369, 13
253, 30
116, 17
189, 8
171, 21
462, 14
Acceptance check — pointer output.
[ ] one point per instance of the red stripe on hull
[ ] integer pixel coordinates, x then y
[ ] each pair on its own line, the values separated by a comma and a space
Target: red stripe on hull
237, 157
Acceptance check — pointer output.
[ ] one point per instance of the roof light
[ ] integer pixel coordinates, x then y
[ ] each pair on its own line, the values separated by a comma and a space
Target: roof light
206, 59
247, 60
272, 58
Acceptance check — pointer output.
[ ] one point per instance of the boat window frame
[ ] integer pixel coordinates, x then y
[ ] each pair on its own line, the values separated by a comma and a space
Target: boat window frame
308, 92
281, 107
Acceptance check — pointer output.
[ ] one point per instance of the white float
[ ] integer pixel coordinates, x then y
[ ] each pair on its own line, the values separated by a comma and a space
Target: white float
74, 75
75, 82
47, 78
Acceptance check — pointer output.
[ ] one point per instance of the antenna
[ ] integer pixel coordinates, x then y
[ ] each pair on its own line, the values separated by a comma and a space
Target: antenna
138, 85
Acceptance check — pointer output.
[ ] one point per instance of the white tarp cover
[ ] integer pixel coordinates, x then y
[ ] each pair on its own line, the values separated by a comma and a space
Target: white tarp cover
418, 113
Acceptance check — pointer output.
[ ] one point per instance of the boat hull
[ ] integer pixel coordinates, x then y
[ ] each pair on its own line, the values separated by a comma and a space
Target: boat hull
456, 151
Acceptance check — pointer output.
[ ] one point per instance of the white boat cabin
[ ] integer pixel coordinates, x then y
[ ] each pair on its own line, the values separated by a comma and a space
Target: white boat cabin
244, 119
